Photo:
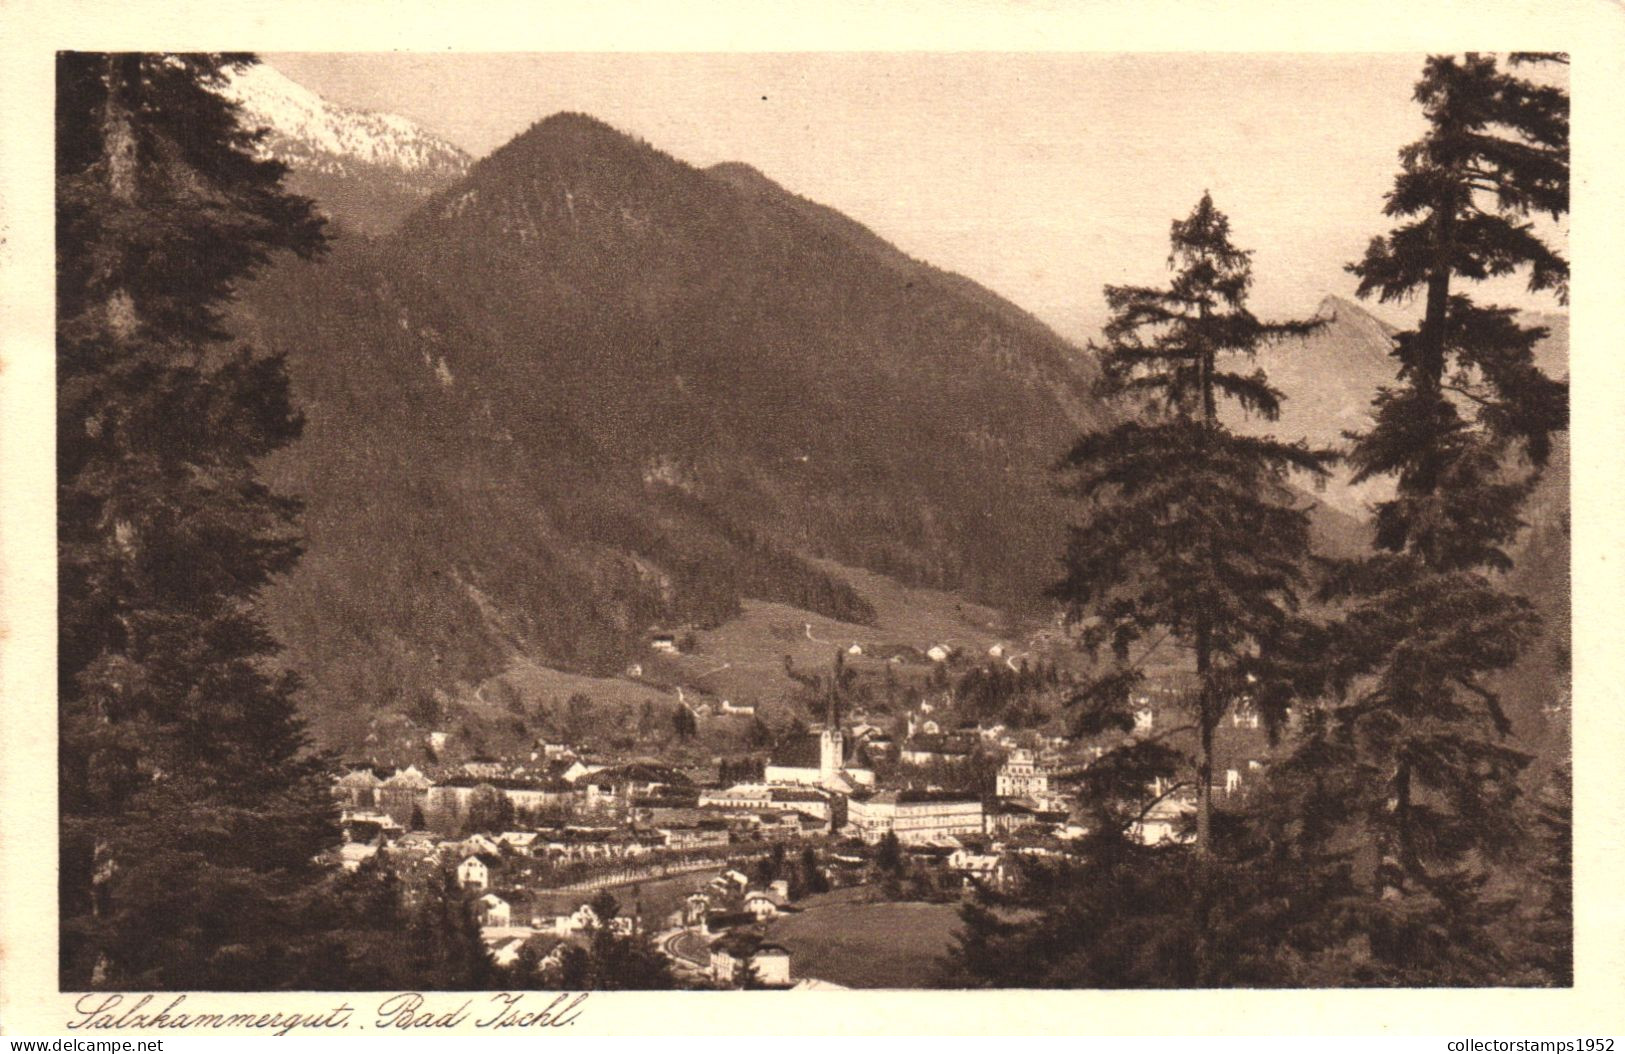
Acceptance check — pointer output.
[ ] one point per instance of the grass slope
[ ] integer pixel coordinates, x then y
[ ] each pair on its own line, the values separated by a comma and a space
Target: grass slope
840, 938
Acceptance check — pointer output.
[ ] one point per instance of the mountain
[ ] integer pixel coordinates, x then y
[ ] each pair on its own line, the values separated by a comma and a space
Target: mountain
589, 390
367, 170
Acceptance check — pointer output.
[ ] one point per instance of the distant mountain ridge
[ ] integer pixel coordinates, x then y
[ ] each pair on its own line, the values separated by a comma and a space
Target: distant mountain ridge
366, 169
1331, 376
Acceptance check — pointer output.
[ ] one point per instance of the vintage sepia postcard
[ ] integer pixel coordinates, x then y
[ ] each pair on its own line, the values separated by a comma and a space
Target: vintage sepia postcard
975, 520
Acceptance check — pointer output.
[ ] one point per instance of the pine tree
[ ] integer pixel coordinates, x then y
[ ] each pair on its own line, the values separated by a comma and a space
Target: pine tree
1554, 926
446, 950
188, 801
1464, 433
1189, 528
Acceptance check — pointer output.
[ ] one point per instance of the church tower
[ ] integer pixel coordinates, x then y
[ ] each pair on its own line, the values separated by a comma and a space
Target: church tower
829, 755
830, 752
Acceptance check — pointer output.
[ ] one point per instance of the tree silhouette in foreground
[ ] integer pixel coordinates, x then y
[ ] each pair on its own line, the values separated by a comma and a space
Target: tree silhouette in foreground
1420, 744
190, 812
1188, 528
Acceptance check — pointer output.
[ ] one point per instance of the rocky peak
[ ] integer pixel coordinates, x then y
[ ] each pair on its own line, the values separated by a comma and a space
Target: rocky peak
305, 128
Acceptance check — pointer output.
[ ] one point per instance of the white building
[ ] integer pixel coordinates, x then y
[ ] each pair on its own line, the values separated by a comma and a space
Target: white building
1022, 776
518, 841
916, 817
772, 963
985, 867
739, 796
474, 873
1165, 822
494, 911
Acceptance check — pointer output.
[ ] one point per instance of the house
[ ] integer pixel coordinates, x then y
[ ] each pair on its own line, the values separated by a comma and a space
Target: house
695, 907
772, 963
855, 650
1023, 776
522, 842
741, 709
475, 871
996, 651
493, 910
981, 867
365, 825
730, 953
779, 890
736, 877
358, 788
760, 905
578, 769
938, 653
582, 918
1166, 821
482, 845
921, 726
663, 642
695, 835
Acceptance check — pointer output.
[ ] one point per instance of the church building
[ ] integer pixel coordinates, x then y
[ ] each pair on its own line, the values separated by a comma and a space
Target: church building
828, 759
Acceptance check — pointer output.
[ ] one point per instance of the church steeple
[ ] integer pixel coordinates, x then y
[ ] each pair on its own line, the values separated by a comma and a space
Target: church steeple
831, 748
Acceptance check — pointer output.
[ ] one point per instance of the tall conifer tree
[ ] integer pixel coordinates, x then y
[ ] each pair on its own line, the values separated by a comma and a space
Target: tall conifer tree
189, 807
1188, 527
1421, 738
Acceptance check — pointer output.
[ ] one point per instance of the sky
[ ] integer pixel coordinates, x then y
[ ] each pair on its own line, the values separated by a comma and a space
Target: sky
1042, 176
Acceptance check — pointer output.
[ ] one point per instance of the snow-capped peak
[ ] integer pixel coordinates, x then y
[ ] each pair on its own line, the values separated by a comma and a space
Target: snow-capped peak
307, 129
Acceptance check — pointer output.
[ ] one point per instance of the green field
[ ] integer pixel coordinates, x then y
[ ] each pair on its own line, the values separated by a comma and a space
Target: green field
884, 944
